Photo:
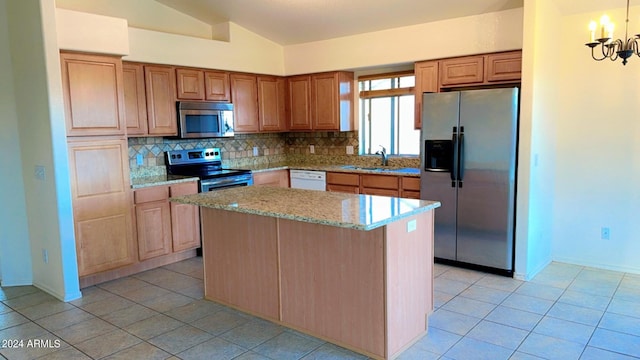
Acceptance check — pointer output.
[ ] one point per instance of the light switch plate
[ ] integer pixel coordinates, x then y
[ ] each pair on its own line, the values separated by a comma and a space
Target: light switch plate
349, 150
255, 151
312, 149
39, 172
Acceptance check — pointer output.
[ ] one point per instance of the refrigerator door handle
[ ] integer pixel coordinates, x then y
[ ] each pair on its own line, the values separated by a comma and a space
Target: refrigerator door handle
454, 158
460, 170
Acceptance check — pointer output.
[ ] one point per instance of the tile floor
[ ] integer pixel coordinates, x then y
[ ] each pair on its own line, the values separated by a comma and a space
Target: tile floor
566, 312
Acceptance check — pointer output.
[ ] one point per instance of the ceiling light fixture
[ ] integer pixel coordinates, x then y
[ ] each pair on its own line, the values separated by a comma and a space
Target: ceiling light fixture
612, 49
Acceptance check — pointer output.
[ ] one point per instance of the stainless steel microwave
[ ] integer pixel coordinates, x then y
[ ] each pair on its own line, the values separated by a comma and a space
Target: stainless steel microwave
204, 119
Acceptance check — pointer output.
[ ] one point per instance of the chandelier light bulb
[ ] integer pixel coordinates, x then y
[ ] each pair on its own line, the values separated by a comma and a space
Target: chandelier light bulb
592, 30
604, 23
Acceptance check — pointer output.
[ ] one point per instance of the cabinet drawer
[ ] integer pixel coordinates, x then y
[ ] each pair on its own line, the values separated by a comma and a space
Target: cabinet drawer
411, 183
380, 182
154, 193
343, 188
383, 192
183, 189
410, 194
343, 179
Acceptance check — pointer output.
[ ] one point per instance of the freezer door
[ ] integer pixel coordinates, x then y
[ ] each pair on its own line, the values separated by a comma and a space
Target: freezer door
439, 117
486, 196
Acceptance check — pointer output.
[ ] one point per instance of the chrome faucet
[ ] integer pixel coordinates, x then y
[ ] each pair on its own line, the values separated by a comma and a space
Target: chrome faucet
385, 156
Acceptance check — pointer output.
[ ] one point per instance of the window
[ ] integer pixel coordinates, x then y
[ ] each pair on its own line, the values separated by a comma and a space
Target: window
387, 114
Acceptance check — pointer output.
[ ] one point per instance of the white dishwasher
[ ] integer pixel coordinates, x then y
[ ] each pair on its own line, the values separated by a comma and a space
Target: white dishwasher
307, 179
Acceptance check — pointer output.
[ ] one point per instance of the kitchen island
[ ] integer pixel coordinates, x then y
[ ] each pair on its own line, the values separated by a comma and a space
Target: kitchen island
355, 270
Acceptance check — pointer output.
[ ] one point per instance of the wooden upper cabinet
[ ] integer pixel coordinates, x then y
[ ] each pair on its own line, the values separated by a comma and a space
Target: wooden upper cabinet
271, 102
190, 84
244, 95
217, 86
160, 86
463, 70
93, 94
299, 96
102, 205
426, 74
332, 101
135, 100
504, 66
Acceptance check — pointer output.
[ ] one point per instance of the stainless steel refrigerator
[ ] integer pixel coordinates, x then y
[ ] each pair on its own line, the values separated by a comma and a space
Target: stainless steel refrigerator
468, 163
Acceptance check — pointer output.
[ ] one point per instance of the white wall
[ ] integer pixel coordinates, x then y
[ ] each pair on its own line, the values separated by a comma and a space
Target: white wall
245, 52
106, 35
15, 250
249, 52
597, 167
143, 14
41, 129
537, 148
484, 33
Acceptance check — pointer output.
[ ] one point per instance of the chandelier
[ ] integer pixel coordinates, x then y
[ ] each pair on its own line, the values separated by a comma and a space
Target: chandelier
612, 49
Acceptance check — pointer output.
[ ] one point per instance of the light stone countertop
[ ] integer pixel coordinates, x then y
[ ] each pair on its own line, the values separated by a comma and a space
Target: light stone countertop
157, 180
360, 212
149, 178
389, 170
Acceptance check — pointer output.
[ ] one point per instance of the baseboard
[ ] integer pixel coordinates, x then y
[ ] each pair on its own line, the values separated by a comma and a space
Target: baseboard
625, 269
16, 282
65, 297
531, 274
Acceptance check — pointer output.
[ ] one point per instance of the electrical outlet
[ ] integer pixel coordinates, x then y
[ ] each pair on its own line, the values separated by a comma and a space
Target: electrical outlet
605, 233
349, 149
411, 225
139, 159
255, 151
312, 149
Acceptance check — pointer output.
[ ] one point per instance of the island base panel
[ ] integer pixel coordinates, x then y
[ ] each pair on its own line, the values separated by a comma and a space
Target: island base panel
409, 289
240, 256
332, 283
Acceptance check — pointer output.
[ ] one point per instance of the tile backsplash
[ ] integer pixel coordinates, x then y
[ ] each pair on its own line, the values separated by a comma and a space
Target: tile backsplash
238, 152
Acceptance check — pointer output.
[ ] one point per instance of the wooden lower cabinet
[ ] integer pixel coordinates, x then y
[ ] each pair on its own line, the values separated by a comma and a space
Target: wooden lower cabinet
101, 198
374, 184
343, 182
164, 227
410, 187
277, 178
185, 219
386, 185
153, 221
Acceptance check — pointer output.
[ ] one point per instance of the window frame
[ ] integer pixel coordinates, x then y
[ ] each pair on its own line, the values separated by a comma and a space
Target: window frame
393, 94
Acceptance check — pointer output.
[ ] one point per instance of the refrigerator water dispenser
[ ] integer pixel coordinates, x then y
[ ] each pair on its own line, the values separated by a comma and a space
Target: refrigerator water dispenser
438, 155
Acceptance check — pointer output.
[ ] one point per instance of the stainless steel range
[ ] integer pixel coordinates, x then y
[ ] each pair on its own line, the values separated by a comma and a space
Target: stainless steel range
207, 165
